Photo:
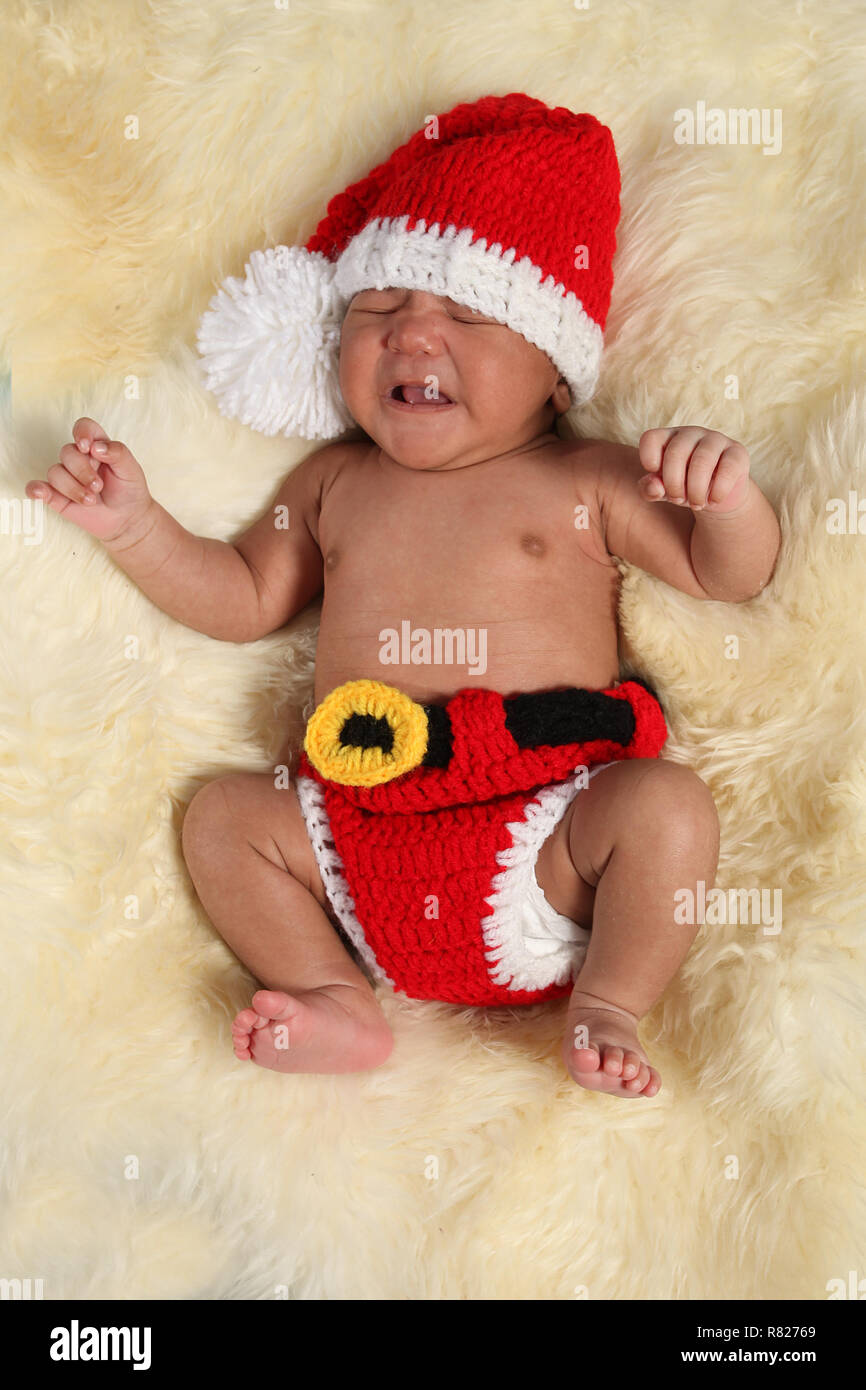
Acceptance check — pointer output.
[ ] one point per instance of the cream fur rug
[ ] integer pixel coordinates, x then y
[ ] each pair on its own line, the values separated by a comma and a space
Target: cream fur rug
143, 1160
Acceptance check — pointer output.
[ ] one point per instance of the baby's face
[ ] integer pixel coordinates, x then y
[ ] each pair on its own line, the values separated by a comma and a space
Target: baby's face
501, 387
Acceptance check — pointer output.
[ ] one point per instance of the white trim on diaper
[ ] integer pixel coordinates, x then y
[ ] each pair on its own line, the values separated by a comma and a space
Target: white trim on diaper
311, 796
529, 948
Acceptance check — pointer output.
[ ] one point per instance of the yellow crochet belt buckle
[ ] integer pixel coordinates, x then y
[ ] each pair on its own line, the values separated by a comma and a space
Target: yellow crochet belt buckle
365, 732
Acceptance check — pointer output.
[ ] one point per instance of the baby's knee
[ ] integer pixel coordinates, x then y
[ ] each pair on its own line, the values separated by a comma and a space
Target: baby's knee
675, 798
208, 816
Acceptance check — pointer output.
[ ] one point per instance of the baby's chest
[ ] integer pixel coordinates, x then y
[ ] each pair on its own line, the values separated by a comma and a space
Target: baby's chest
453, 537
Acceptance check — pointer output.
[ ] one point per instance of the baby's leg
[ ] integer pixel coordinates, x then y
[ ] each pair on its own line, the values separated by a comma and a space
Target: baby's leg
642, 830
250, 858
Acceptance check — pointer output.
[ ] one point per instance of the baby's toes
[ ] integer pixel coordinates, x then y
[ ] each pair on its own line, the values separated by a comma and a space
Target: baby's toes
271, 1003
245, 1021
586, 1058
611, 1063
636, 1083
646, 1083
655, 1083
631, 1065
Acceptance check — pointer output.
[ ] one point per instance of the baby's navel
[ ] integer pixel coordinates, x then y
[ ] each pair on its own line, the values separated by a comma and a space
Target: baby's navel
532, 544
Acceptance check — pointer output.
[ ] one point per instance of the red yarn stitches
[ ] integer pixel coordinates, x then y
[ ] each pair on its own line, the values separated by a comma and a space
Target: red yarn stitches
418, 855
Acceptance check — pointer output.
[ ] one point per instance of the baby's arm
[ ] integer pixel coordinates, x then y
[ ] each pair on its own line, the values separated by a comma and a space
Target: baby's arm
703, 545
236, 592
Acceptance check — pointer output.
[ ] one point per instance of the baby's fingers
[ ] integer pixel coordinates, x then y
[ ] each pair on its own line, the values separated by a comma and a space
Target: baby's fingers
41, 491
74, 478
650, 447
85, 432
82, 467
64, 481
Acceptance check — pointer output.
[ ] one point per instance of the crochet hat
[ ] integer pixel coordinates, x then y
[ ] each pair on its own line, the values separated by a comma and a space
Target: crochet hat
503, 204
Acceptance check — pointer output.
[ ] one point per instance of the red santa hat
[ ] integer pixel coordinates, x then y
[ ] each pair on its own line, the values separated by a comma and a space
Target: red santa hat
503, 204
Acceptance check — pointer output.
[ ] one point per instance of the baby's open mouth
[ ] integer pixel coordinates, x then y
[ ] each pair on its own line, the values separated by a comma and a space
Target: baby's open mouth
417, 397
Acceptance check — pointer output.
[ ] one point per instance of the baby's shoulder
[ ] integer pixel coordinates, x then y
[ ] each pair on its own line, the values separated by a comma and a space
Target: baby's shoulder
604, 476
584, 462
323, 466
341, 456
331, 458
604, 464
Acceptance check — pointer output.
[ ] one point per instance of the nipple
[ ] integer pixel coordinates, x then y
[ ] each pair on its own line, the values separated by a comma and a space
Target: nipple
532, 544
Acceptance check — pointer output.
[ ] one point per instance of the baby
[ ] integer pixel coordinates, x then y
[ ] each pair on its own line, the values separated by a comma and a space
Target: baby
458, 511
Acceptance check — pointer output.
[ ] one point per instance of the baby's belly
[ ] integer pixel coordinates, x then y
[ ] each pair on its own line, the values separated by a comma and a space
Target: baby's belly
431, 661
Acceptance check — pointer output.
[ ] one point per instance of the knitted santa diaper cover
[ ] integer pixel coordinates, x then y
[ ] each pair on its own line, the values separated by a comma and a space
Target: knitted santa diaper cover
426, 821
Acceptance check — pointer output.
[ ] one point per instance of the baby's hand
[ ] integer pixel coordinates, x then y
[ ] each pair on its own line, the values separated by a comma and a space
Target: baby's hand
102, 501
695, 468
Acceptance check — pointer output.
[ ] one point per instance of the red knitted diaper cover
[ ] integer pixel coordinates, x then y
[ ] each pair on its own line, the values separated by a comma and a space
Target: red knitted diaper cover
426, 821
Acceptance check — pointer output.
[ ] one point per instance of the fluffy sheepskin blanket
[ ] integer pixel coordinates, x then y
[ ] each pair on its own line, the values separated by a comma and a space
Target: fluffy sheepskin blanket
145, 152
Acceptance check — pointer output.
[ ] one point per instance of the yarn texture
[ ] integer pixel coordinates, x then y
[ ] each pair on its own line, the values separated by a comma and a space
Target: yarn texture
456, 211
412, 862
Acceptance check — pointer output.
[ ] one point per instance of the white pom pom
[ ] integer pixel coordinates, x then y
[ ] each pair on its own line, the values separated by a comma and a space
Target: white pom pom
269, 345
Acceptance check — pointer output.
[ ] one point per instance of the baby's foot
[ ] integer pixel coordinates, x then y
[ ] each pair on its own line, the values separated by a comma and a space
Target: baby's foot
332, 1029
601, 1050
